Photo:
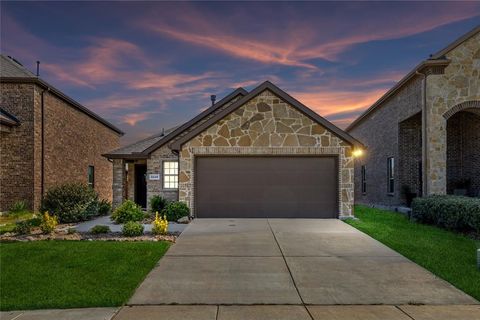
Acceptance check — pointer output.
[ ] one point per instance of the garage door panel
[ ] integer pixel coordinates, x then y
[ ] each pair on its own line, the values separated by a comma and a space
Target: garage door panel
259, 187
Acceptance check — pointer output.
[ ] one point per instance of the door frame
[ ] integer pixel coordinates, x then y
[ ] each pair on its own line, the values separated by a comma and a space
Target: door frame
337, 170
136, 182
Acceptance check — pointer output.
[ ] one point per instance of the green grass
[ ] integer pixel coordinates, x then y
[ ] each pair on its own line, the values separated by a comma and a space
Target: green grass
449, 255
67, 274
7, 222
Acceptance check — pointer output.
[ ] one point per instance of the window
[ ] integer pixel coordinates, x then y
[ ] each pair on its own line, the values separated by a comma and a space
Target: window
170, 174
364, 180
390, 175
91, 176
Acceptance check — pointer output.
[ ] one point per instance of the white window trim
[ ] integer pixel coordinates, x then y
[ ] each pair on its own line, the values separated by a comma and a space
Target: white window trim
164, 174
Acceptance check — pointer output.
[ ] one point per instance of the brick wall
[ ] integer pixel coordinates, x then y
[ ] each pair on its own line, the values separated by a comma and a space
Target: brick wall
463, 151
17, 147
410, 154
74, 141
380, 133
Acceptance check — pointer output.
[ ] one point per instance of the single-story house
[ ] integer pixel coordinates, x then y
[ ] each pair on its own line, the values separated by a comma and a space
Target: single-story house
423, 135
252, 154
47, 139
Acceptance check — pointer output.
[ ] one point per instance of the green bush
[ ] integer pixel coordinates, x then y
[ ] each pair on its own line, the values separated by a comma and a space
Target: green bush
71, 202
132, 229
104, 208
175, 210
99, 229
18, 207
448, 212
157, 203
128, 211
23, 227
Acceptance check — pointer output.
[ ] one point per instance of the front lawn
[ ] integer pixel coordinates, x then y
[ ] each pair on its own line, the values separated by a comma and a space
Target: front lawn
67, 274
449, 255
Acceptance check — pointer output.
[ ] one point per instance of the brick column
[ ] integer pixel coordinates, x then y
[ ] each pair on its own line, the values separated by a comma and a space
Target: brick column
119, 178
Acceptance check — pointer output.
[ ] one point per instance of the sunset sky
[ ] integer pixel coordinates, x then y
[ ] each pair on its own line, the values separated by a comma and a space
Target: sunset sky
148, 65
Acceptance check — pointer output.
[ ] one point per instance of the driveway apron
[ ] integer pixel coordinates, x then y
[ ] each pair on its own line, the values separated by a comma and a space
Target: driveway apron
287, 262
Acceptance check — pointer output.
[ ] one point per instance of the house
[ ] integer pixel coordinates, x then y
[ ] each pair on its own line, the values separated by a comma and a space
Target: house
252, 154
47, 139
423, 135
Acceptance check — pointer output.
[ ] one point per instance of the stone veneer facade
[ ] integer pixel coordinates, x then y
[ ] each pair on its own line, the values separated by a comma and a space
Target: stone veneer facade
267, 125
458, 86
392, 129
73, 141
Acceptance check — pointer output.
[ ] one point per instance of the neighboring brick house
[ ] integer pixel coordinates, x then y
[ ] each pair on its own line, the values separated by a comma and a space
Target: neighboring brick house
48, 139
423, 136
252, 154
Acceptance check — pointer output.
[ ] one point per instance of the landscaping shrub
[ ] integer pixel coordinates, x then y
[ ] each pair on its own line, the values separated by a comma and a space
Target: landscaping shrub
128, 211
18, 207
23, 227
49, 223
132, 229
104, 208
157, 203
99, 229
175, 210
72, 202
449, 212
159, 225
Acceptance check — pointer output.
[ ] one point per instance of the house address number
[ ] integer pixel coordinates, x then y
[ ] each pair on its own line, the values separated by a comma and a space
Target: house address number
154, 176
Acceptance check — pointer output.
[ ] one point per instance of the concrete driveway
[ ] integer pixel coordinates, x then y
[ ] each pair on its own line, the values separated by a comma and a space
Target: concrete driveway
287, 262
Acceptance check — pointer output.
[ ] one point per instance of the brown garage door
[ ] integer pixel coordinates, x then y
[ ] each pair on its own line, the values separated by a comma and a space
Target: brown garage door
266, 187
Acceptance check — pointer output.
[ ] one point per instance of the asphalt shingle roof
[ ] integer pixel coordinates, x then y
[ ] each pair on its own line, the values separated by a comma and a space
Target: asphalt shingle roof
12, 69
141, 145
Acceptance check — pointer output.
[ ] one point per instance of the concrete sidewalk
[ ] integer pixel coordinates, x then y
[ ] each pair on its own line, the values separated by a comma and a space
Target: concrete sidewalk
289, 312
255, 312
288, 261
61, 314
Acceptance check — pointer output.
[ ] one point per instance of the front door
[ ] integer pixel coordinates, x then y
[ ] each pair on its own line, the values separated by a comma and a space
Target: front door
141, 185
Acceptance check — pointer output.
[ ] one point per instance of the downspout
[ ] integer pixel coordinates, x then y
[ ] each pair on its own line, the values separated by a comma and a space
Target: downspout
42, 144
424, 133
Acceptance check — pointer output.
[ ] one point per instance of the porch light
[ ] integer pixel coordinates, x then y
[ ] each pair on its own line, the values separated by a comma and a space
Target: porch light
357, 153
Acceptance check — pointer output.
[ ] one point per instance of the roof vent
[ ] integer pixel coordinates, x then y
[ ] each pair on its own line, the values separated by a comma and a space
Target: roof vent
213, 98
163, 132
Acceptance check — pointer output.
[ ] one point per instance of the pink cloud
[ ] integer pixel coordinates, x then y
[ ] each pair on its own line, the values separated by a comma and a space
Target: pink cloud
133, 118
301, 42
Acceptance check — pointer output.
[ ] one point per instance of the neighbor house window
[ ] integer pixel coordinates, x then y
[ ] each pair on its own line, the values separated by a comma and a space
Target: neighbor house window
91, 176
364, 180
390, 175
170, 174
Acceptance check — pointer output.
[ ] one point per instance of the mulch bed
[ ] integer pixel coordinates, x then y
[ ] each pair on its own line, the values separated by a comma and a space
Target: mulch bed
61, 233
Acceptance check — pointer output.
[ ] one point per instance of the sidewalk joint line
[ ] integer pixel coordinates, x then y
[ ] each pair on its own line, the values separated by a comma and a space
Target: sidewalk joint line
404, 312
289, 271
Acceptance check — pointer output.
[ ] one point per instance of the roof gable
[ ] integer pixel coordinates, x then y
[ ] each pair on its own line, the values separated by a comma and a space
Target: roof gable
456, 43
142, 148
267, 85
436, 60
